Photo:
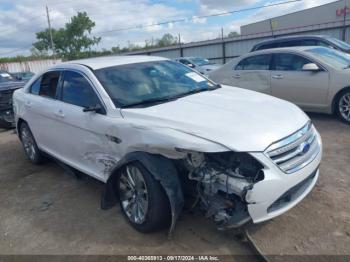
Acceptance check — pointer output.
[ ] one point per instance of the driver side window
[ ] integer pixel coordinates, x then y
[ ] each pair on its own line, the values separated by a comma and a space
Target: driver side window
289, 62
76, 90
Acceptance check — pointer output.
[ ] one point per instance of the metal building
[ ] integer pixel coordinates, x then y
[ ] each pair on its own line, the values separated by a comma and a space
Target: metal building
330, 19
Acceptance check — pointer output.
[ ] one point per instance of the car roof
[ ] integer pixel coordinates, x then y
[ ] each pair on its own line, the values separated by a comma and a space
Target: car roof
109, 61
285, 49
294, 37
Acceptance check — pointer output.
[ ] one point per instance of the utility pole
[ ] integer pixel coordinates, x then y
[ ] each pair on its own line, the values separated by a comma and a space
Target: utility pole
50, 31
272, 27
223, 46
181, 50
344, 24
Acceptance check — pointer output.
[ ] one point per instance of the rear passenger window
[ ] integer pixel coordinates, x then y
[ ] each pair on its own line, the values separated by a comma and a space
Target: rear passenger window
49, 82
185, 62
309, 42
35, 87
321, 43
259, 62
268, 46
76, 90
291, 43
289, 62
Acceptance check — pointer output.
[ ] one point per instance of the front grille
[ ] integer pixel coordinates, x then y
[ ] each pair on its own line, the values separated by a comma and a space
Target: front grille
6, 99
296, 151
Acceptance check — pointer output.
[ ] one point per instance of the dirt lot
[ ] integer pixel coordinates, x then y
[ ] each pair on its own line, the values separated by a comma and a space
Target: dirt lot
46, 211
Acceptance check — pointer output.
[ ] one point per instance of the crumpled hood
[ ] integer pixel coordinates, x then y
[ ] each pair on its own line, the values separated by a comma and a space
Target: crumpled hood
239, 119
9, 85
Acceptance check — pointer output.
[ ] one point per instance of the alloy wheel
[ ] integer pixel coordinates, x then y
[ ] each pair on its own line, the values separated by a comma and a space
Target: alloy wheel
133, 194
28, 143
344, 106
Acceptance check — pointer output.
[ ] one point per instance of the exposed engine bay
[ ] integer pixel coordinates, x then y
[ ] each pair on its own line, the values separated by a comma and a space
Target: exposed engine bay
222, 181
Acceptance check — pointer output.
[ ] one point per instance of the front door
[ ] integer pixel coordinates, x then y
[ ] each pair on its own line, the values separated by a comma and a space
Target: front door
307, 89
87, 145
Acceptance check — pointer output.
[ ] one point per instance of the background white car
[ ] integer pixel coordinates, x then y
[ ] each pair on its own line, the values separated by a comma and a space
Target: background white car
156, 131
315, 78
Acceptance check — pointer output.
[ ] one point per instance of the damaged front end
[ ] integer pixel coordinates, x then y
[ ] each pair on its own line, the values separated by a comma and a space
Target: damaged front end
222, 181
6, 111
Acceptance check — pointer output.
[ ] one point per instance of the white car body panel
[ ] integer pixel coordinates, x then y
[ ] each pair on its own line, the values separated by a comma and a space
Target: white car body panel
226, 119
233, 118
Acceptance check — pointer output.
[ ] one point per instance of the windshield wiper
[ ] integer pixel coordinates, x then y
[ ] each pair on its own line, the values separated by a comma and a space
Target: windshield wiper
199, 90
150, 102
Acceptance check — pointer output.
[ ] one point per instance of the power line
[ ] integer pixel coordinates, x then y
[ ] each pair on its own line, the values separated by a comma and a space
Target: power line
195, 17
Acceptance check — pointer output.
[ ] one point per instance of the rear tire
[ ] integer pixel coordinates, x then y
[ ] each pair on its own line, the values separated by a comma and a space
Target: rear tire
342, 106
29, 145
143, 200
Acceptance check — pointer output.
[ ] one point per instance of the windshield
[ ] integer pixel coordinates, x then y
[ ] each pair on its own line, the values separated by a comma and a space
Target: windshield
339, 43
334, 58
138, 83
200, 61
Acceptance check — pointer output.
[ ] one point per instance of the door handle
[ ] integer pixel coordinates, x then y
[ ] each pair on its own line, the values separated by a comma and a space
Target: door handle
277, 76
59, 113
236, 76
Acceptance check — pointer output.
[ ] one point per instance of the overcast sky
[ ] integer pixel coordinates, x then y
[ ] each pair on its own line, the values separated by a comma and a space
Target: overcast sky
20, 19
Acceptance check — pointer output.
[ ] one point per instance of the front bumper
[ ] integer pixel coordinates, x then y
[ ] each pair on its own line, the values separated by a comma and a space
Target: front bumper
279, 191
7, 116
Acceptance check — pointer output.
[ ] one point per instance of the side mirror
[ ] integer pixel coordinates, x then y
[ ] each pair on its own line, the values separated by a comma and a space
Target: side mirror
311, 67
96, 109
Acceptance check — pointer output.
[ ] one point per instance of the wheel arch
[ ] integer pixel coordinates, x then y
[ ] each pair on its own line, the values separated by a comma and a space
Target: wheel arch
20, 121
335, 98
161, 168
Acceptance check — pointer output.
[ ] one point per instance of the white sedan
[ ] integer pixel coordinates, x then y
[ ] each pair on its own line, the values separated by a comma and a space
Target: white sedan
159, 134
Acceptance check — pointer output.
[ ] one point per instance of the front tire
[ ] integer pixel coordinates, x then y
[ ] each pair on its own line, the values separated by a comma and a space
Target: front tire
29, 145
142, 199
343, 106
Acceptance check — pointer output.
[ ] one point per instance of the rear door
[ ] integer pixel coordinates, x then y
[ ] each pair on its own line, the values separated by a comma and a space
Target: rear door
307, 89
41, 106
252, 73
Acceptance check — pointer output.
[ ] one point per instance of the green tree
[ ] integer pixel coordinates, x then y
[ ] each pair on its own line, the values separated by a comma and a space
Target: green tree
70, 42
233, 34
167, 40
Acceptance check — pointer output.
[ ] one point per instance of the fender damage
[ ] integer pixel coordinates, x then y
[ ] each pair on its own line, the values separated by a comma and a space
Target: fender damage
218, 180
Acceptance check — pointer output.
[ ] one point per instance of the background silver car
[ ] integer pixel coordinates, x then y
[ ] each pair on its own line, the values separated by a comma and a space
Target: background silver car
315, 78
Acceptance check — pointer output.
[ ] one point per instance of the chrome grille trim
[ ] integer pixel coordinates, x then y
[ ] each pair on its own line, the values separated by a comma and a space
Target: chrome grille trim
295, 151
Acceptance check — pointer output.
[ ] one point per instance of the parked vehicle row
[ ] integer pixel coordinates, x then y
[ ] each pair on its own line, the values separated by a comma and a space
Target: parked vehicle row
160, 134
314, 78
203, 66
8, 84
303, 40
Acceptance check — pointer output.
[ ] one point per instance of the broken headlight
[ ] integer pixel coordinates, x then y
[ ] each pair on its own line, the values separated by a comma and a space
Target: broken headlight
229, 163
